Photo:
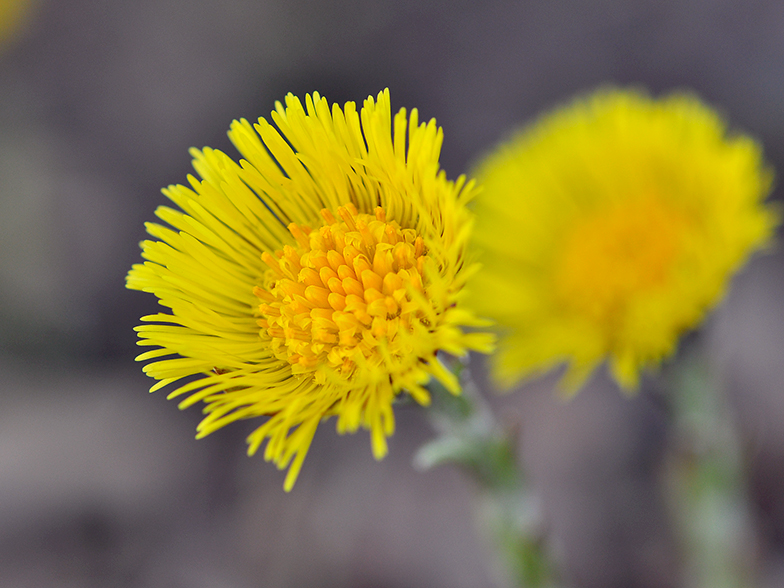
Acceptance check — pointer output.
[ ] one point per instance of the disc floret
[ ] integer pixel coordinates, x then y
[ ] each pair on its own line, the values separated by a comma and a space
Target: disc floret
344, 300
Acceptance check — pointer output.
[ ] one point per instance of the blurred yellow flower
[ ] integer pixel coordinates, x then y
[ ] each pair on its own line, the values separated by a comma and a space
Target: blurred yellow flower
611, 226
317, 277
14, 19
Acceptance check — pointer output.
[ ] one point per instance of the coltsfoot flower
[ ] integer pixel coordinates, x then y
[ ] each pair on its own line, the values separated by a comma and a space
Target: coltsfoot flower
14, 19
609, 228
318, 277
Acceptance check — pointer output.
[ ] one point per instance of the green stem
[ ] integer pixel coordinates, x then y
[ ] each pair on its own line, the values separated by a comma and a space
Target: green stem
710, 502
470, 437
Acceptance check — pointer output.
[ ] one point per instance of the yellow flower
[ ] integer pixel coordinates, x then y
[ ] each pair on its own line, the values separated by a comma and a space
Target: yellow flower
14, 20
317, 277
610, 227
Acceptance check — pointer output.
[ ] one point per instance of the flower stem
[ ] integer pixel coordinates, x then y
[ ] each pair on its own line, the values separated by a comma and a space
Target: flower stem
469, 436
707, 482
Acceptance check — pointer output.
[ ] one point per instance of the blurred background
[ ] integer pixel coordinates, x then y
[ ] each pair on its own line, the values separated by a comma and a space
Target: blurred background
102, 484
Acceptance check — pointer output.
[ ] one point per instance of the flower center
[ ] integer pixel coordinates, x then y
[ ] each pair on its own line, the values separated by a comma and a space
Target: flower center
343, 297
610, 257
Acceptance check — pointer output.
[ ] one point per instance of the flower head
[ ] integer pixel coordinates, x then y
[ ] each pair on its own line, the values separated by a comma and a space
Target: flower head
317, 277
610, 227
14, 20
